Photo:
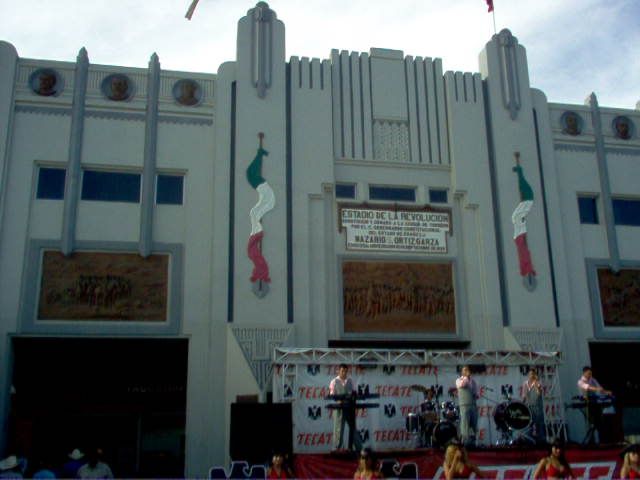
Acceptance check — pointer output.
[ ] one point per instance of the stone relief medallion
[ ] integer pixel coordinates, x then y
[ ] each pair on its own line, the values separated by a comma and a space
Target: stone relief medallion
117, 87
46, 82
571, 123
622, 127
187, 92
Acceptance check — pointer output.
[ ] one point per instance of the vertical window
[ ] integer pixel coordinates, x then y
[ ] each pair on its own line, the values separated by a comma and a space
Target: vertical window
588, 210
399, 194
51, 183
437, 195
111, 186
345, 190
626, 212
169, 189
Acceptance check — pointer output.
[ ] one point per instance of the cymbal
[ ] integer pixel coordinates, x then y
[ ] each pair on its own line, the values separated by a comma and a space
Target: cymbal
420, 388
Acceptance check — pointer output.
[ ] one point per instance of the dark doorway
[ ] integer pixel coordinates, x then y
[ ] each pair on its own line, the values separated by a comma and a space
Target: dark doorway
613, 365
125, 396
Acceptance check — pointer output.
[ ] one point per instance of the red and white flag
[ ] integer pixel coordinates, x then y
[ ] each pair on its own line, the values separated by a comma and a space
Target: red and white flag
489, 5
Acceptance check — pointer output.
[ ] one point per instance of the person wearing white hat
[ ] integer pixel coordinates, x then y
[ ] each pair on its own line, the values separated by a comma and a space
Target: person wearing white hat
76, 460
10, 468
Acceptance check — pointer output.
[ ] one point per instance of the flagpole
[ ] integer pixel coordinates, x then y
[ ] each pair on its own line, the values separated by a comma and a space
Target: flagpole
493, 13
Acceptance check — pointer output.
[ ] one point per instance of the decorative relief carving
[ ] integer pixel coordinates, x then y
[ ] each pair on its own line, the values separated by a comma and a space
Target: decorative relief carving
257, 345
117, 87
622, 127
510, 81
262, 20
46, 82
572, 123
187, 92
391, 140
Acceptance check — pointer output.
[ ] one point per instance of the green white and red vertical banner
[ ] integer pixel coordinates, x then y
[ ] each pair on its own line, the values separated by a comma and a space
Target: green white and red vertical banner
519, 219
266, 202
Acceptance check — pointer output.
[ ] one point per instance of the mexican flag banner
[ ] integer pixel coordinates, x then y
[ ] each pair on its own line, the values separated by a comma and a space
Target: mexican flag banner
519, 219
266, 202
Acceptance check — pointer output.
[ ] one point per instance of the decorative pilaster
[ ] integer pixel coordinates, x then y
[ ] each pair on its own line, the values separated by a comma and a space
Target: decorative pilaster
149, 168
509, 81
72, 183
605, 189
262, 18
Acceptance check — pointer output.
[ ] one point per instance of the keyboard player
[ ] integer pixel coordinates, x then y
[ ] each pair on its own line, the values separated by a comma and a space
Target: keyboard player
591, 389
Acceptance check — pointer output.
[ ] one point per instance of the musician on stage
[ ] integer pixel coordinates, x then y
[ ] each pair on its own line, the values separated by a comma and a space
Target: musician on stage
591, 388
532, 394
343, 385
468, 393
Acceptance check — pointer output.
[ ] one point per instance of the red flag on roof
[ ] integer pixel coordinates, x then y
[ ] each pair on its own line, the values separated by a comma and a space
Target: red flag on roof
490, 5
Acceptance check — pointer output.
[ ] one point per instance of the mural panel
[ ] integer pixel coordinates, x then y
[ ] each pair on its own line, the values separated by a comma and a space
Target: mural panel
620, 297
103, 286
380, 297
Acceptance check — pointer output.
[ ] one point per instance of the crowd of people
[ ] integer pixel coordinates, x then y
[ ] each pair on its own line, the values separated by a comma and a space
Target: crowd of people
456, 464
77, 464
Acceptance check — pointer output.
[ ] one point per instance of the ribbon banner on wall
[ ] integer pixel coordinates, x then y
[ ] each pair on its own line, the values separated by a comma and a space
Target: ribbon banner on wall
303, 376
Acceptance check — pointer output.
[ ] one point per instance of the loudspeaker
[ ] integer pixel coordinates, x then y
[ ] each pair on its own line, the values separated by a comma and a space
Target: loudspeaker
260, 429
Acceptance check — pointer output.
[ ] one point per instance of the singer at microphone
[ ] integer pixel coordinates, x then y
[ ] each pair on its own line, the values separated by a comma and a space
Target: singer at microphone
468, 393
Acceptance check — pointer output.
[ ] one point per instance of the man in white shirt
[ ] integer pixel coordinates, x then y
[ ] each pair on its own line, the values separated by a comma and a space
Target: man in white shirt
342, 385
591, 389
468, 393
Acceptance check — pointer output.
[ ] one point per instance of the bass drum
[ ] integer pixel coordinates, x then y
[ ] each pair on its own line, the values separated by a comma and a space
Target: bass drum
443, 433
512, 416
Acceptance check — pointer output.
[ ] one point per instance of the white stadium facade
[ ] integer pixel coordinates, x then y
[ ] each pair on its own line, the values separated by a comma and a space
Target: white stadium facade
170, 240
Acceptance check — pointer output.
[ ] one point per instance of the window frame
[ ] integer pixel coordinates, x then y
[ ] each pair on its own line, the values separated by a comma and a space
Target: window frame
633, 201
412, 189
594, 199
39, 169
156, 190
444, 191
347, 184
122, 171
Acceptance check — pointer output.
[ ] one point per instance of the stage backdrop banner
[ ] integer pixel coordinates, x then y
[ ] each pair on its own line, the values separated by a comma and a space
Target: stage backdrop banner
384, 428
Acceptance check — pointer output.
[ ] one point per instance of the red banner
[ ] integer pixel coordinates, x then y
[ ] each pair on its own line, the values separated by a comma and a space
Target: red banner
498, 464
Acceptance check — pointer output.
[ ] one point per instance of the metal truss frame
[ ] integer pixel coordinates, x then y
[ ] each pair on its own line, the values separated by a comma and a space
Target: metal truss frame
288, 360
332, 356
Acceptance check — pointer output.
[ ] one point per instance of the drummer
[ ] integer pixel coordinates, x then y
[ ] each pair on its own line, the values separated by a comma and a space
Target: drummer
532, 395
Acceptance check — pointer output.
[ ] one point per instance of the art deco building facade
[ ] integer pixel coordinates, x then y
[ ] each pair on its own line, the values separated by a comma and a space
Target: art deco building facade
161, 232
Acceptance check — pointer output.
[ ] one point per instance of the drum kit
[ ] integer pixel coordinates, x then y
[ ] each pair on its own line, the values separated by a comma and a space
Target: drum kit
436, 423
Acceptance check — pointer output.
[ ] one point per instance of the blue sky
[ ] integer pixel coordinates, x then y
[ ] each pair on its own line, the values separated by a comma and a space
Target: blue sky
574, 47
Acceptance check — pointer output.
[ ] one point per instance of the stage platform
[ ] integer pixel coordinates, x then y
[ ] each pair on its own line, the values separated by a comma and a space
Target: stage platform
499, 463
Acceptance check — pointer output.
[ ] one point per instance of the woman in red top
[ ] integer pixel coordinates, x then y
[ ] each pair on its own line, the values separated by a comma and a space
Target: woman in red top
555, 465
457, 464
277, 469
366, 466
630, 466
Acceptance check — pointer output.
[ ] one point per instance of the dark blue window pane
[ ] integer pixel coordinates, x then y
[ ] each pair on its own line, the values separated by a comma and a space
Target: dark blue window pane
588, 210
345, 190
169, 190
51, 183
437, 196
111, 186
400, 194
626, 212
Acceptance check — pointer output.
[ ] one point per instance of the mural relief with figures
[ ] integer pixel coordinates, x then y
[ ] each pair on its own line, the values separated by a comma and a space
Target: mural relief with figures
620, 297
103, 286
398, 297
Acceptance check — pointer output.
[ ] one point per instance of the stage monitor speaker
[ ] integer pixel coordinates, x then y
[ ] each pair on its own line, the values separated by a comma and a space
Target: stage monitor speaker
260, 429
